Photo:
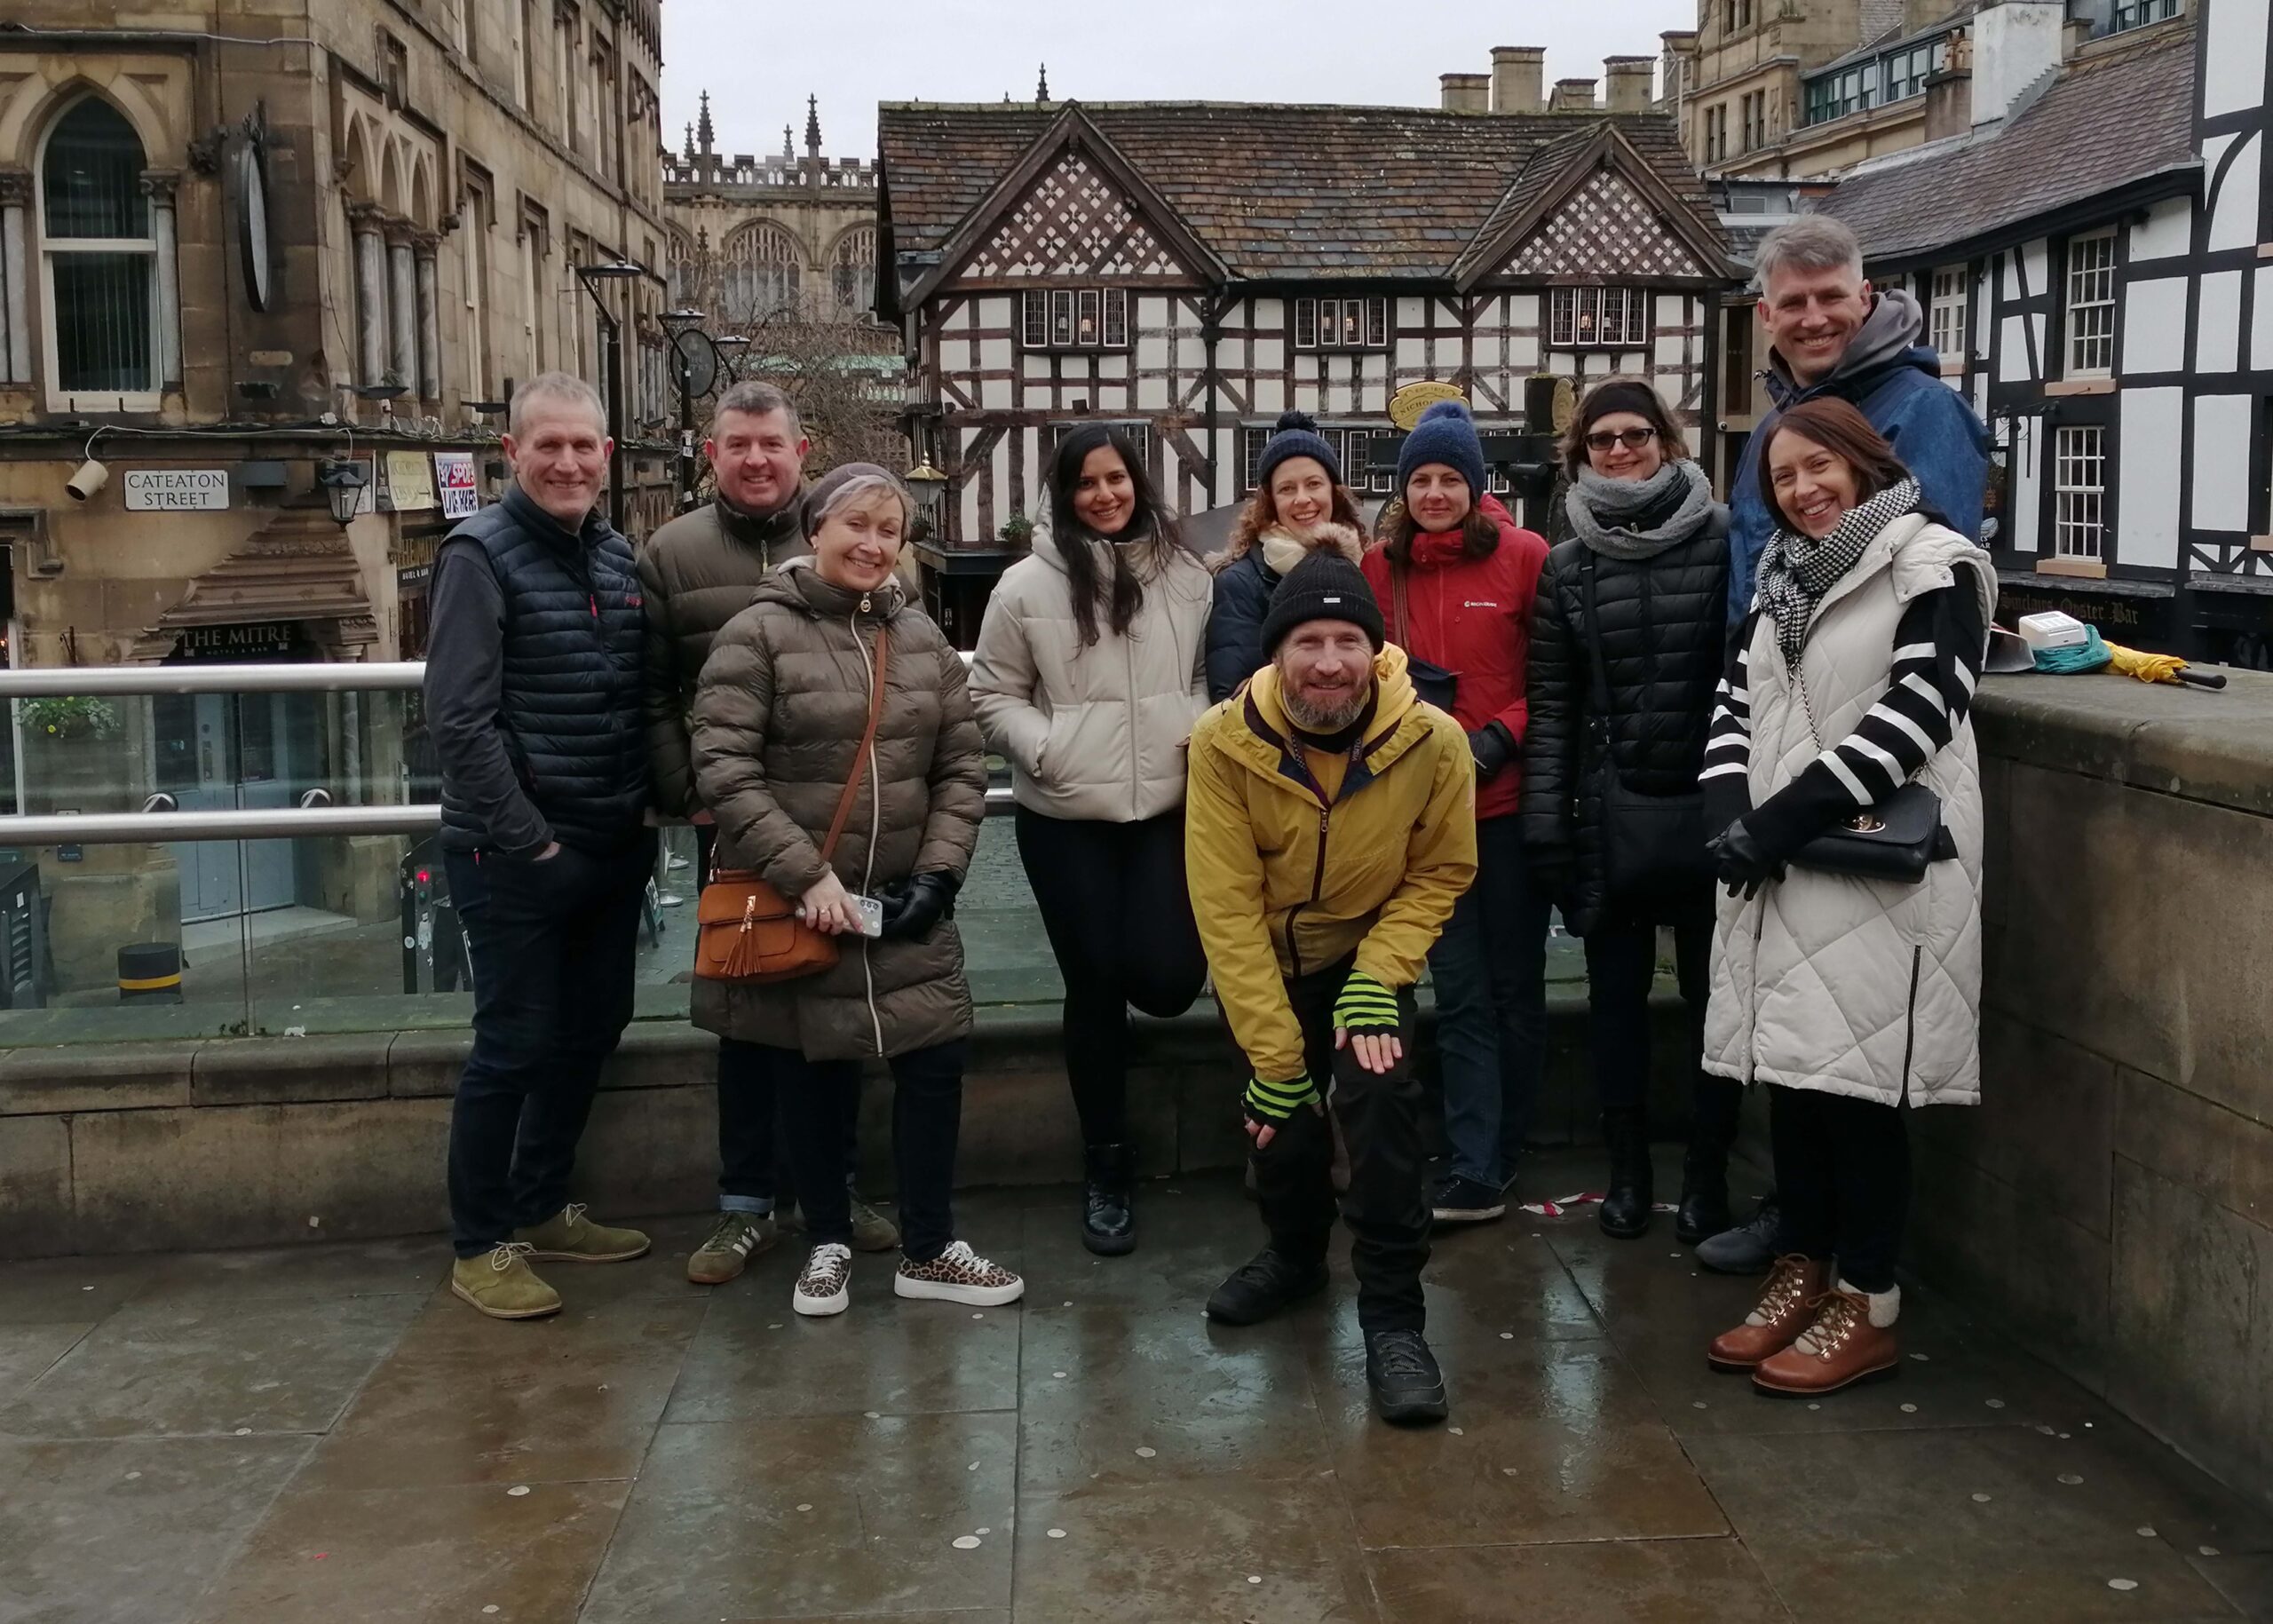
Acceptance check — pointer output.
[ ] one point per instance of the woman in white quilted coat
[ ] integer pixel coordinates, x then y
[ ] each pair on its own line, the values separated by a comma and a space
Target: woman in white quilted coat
1090, 671
1852, 999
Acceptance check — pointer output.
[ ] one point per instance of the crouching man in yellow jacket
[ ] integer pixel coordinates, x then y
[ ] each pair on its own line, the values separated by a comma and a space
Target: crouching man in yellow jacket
1329, 827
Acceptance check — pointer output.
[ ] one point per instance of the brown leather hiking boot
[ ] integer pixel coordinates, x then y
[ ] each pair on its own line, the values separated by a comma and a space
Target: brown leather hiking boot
1785, 1308
1840, 1349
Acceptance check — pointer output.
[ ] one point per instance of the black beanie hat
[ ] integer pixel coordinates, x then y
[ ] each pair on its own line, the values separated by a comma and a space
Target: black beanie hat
1618, 395
1325, 586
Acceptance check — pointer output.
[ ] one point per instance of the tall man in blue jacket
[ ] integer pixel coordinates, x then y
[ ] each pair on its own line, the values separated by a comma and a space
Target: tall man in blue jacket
1829, 334
533, 699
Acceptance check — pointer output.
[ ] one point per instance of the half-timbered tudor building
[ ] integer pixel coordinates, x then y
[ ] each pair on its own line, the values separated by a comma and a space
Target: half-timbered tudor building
1192, 271
2098, 270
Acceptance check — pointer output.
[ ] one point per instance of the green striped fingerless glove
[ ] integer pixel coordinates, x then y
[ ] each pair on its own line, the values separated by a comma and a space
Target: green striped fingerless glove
1366, 1007
1272, 1102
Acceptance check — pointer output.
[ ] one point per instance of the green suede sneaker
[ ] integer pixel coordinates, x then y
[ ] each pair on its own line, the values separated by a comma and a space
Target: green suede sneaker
570, 1237
872, 1231
736, 1238
501, 1284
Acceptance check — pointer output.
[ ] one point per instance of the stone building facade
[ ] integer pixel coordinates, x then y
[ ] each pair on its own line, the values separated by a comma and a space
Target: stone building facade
238, 246
753, 238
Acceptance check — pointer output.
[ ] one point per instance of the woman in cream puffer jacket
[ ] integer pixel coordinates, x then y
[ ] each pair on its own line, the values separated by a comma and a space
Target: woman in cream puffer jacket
1090, 673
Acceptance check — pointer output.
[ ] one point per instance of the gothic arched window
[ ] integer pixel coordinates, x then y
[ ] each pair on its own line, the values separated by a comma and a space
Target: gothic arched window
853, 272
102, 253
763, 270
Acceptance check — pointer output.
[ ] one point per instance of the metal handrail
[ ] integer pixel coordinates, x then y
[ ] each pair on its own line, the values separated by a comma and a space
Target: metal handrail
135, 829
333, 676
322, 676
161, 823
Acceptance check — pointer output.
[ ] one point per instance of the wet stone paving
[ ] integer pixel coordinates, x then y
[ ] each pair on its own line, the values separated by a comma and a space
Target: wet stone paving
326, 1435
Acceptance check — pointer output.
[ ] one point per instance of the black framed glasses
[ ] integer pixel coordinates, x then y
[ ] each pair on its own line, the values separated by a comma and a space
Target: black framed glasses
1633, 439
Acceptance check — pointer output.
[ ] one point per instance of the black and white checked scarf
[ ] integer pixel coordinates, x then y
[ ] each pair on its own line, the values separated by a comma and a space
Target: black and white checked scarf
1796, 570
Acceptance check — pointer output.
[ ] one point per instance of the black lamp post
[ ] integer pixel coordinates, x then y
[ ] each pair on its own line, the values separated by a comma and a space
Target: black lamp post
676, 322
616, 270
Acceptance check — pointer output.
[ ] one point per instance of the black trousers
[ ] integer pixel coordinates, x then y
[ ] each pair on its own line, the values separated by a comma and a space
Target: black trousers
553, 946
1842, 1172
926, 1114
1386, 1207
748, 1151
1622, 968
1118, 917
1489, 969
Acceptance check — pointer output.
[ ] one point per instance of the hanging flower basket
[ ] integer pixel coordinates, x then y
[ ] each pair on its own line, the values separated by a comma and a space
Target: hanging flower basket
77, 717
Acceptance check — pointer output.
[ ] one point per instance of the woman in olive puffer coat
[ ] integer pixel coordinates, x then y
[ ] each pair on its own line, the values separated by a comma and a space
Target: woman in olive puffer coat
1624, 684
777, 726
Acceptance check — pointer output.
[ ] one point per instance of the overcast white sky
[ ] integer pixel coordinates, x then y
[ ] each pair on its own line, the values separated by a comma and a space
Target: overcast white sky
759, 62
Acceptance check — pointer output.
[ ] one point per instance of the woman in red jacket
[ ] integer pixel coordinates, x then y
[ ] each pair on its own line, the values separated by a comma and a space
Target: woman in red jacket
1457, 577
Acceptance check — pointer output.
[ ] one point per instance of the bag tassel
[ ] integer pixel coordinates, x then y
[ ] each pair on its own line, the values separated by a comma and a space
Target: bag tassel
742, 959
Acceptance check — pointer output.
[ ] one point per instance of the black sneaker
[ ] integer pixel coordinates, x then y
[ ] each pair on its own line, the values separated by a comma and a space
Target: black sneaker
1746, 1250
1457, 1199
1261, 1287
1406, 1386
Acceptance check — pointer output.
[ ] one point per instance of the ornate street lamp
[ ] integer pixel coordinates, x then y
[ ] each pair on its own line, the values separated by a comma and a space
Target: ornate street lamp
928, 486
343, 485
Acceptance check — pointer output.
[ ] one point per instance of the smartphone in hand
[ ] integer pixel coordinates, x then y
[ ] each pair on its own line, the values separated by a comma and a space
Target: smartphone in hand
872, 915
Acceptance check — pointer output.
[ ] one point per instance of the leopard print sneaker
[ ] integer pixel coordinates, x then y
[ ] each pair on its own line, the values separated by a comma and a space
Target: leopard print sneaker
824, 1286
958, 1275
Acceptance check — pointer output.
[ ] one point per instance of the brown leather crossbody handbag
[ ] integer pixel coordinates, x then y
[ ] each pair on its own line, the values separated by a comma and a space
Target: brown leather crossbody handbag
747, 931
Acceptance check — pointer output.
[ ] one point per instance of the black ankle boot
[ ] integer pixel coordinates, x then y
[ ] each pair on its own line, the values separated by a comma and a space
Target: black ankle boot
1108, 1213
1704, 1209
1704, 1195
1626, 1204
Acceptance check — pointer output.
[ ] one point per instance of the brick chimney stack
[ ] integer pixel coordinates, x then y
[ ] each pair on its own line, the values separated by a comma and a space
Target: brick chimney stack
1518, 79
1627, 81
1466, 93
1573, 96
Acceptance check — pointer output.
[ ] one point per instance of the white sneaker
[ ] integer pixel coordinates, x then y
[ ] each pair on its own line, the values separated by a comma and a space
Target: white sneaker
958, 1275
825, 1286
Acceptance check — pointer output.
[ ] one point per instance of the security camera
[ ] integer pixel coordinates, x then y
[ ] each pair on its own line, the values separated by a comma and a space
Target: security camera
91, 477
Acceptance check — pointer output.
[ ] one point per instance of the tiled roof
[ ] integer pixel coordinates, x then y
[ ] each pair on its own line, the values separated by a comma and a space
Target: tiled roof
2110, 118
1274, 191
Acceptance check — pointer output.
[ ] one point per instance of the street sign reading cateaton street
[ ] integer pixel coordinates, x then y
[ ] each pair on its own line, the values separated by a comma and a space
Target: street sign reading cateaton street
174, 490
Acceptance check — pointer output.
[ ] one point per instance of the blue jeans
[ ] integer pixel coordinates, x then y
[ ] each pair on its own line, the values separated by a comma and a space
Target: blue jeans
1490, 971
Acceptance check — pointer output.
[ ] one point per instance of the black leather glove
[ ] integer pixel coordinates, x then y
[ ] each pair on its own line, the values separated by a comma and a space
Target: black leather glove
1743, 864
1491, 747
912, 908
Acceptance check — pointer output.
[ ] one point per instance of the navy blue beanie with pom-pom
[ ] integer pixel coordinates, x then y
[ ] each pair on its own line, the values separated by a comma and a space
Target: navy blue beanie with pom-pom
1444, 434
1295, 434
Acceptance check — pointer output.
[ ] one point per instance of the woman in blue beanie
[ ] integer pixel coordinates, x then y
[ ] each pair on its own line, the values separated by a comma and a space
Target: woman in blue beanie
1300, 505
1456, 578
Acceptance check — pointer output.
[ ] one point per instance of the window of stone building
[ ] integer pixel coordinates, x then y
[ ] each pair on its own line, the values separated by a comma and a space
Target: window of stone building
1851, 90
535, 249
394, 69
100, 239
1069, 317
477, 214
1906, 69
2139, 13
1948, 313
524, 56
604, 108
2091, 303
1588, 318
853, 274
1341, 324
2080, 491
461, 30
763, 274
566, 88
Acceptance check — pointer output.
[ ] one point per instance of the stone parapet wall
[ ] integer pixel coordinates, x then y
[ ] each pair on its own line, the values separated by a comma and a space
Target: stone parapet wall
222, 1142
2111, 1201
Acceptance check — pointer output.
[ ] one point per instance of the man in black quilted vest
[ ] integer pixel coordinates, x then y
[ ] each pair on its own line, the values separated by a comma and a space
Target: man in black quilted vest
533, 702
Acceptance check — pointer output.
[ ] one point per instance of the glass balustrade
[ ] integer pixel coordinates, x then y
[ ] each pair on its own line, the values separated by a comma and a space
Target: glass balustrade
312, 927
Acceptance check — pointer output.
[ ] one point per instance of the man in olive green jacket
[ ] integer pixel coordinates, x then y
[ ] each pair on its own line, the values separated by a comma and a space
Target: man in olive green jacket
697, 572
